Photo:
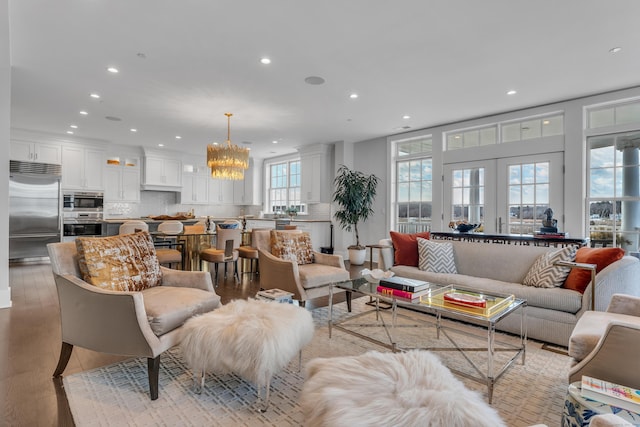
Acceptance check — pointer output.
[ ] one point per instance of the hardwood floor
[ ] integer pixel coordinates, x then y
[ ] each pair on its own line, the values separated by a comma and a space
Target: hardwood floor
30, 337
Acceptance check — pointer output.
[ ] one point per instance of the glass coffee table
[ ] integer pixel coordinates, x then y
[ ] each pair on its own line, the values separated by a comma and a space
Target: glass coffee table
440, 301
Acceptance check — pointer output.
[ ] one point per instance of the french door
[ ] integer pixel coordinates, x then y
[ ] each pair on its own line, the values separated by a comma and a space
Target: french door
508, 195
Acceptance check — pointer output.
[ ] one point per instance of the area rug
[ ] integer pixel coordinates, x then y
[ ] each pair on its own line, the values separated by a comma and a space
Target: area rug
117, 395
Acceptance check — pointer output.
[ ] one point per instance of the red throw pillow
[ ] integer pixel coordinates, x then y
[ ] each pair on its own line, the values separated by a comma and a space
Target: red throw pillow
405, 247
579, 279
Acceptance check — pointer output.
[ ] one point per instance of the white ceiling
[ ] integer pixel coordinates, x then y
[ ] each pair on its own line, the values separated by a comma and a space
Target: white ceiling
437, 61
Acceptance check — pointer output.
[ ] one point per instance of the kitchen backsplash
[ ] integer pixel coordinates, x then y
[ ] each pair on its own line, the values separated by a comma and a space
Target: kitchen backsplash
165, 203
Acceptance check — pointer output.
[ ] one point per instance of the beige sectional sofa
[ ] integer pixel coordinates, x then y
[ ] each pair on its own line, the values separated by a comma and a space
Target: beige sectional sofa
552, 312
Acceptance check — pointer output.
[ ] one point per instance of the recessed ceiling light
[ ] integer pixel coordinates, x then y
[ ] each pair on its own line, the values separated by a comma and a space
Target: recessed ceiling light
84, 113
178, 137
73, 126
511, 92
265, 61
214, 143
133, 130
95, 95
406, 117
353, 96
160, 145
274, 142
545, 122
314, 80
70, 132
113, 70
615, 49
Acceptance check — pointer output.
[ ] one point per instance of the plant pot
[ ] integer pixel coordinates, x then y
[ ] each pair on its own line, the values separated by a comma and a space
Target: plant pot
357, 256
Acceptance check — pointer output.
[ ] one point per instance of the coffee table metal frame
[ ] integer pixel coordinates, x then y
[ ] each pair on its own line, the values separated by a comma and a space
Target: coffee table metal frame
492, 374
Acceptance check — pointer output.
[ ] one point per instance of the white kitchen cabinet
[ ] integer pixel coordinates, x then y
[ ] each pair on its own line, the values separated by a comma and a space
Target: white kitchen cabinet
82, 168
122, 182
162, 173
248, 191
221, 191
195, 189
316, 180
40, 152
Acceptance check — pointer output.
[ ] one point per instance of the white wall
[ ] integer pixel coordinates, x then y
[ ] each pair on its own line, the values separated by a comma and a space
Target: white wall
374, 157
5, 123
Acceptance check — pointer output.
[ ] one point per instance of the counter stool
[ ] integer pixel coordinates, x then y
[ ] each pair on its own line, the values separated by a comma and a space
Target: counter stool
226, 251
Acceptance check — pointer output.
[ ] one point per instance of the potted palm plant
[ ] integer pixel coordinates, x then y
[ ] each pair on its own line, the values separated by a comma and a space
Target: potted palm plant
354, 193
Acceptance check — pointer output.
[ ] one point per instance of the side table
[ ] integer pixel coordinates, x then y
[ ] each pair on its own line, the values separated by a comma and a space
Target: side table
579, 410
371, 248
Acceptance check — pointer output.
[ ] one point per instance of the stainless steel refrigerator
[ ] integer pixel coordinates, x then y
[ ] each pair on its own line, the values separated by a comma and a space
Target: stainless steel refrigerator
34, 208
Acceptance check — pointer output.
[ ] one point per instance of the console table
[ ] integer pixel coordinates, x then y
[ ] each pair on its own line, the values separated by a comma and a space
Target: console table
508, 239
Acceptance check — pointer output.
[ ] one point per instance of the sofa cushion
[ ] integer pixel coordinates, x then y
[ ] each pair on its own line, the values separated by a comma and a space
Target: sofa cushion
405, 247
119, 263
292, 246
545, 274
436, 257
317, 275
168, 307
579, 279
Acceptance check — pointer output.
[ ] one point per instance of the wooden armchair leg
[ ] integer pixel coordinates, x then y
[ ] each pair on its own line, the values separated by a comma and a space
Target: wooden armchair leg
153, 368
65, 355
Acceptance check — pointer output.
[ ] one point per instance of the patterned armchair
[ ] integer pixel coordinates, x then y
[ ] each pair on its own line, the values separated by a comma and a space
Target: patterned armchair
115, 298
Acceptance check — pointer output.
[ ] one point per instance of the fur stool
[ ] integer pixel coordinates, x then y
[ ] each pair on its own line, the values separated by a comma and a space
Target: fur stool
390, 389
252, 338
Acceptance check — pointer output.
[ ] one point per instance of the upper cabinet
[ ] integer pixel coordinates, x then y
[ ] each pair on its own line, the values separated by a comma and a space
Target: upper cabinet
40, 152
315, 165
122, 180
248, 191
161, 172
82, 168
195, 184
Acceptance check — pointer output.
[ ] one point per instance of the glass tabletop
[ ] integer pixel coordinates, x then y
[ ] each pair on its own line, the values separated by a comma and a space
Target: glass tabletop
445, 298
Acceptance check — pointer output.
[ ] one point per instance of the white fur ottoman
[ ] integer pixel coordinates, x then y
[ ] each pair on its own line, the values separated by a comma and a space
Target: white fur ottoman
390, 389
252, 338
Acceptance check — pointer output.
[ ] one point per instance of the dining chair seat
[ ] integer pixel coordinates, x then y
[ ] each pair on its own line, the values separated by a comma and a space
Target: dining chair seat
226, 251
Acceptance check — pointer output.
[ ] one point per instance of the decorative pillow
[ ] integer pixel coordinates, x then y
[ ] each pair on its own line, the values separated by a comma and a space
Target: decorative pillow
405, 247
119, 263
579, 279
231, 225
544, 274
436, 257
292, 246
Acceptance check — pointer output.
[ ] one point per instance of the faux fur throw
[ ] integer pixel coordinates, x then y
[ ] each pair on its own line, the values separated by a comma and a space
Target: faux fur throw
252, 338
412, 389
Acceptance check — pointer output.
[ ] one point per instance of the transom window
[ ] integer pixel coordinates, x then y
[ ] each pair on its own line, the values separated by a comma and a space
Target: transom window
284, 187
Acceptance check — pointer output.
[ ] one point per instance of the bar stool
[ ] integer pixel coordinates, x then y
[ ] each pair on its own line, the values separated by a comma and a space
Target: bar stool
168, 250
260, 238
227, 244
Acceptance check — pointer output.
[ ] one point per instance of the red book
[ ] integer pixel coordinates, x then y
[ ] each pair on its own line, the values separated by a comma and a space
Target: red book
398, 293
465, 299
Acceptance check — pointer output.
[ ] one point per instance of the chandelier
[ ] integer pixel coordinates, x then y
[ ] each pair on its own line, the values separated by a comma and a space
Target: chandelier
227, 161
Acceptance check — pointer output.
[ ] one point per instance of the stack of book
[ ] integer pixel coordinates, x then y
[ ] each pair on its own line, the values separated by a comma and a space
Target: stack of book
403, 288
612, 394
276, 295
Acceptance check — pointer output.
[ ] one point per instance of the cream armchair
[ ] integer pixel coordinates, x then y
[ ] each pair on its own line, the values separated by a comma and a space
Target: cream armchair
144, 323
305, 281
605, 345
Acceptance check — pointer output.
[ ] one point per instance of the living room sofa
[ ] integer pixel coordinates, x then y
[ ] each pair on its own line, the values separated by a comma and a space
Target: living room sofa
497, 268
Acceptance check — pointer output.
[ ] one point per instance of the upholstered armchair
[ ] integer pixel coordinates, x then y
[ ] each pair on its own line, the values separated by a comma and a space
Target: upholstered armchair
307, 276
130, 322
606, 345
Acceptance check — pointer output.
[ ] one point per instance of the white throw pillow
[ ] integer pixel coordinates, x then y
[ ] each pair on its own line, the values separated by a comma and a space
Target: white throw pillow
544, 274
436, 257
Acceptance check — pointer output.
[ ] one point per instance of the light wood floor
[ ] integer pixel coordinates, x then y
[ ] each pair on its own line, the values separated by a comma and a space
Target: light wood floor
30, 346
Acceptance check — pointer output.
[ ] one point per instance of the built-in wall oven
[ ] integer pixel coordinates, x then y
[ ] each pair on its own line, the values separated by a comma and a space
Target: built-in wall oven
82, 215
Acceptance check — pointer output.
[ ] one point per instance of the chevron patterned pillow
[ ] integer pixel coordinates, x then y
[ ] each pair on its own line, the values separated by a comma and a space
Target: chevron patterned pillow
436, 257
544, 274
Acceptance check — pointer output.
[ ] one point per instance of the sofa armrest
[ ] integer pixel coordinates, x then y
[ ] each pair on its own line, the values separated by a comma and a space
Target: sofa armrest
385, 255
624, 304
187, 279
279, 273
328, 259
619, 277
104, 321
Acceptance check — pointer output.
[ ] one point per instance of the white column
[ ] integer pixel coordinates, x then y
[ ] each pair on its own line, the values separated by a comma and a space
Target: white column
630, 188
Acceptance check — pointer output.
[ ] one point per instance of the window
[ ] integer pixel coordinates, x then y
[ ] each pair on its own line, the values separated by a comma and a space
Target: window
284, 187
614, 190
612, 115
414, 182
528, 191
467, 188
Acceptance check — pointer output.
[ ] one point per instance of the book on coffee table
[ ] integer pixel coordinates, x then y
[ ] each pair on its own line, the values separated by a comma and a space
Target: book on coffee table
404, 284
612, 394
